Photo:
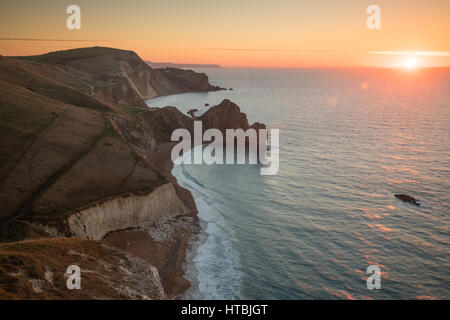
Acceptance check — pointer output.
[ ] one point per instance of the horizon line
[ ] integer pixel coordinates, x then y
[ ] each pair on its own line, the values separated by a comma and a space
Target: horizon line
410, 53
385, 52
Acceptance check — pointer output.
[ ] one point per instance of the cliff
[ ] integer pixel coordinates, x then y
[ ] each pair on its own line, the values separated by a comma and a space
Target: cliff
119, 76
121, 213
79, 158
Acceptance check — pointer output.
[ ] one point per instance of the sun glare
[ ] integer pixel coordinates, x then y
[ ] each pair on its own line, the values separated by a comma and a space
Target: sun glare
410, 63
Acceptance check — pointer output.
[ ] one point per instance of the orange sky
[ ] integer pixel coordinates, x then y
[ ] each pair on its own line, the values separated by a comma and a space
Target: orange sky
266, 33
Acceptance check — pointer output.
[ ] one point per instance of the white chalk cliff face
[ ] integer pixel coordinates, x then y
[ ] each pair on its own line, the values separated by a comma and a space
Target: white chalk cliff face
126, 212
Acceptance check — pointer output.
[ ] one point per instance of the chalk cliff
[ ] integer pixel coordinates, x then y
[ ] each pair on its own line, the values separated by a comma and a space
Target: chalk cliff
121, 213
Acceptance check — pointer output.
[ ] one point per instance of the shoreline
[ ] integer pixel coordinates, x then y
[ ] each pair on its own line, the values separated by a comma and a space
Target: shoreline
191, 272
171, 246
195, 241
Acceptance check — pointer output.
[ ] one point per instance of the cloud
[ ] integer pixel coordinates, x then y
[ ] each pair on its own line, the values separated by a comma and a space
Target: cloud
56, 40
414, 53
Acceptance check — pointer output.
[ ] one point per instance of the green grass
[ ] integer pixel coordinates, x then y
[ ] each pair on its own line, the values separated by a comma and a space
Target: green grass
134, 111
24, 117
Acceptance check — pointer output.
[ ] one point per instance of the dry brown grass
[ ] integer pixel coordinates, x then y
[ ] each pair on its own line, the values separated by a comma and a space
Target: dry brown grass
36, 270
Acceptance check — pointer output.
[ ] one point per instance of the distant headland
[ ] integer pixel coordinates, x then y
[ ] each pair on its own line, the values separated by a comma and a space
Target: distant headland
180, 65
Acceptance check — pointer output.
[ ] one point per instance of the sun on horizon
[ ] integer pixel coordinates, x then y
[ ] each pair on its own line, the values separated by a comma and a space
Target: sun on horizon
410, 63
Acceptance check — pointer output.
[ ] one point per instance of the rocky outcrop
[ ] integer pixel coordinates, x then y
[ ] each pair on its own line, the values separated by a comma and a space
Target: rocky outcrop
126, 212
192, 112
408, 199
226, 115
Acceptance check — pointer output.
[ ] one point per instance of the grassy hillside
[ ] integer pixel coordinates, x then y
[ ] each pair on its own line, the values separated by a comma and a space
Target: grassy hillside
62, 148
120, 75
37, 270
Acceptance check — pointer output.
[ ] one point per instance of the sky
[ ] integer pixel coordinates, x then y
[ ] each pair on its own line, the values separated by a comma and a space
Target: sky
244, 33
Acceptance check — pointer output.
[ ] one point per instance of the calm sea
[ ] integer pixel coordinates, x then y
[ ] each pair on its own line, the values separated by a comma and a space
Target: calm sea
349, 140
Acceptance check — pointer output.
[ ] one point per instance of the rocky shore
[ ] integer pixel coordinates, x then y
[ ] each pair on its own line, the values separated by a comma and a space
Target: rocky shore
83, 158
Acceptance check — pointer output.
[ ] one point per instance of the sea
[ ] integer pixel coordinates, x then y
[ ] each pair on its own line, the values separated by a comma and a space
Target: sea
350, 139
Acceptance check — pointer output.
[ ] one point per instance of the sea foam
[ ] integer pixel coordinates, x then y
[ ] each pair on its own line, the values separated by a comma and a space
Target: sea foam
214, 270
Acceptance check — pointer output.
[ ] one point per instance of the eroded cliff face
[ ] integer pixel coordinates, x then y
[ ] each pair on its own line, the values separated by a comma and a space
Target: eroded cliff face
126, 212
37, 270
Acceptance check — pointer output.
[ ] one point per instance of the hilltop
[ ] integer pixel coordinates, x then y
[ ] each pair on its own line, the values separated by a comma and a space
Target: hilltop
118, 75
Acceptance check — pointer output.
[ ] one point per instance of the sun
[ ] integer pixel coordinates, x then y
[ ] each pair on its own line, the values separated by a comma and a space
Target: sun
410, 63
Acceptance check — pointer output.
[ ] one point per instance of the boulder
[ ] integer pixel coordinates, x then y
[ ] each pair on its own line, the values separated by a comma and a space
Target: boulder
192, 112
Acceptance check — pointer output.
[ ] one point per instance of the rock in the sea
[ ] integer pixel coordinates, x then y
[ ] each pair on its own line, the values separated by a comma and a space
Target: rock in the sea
406, 198
231, 89
206, 104
192, 112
